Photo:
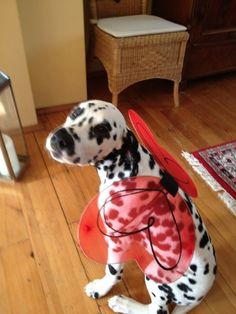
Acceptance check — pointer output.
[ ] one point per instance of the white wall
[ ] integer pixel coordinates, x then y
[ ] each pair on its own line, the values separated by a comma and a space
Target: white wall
13, 61
53, 32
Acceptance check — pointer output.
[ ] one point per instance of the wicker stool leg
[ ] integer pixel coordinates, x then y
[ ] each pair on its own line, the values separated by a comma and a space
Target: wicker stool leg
176, 93
115, 99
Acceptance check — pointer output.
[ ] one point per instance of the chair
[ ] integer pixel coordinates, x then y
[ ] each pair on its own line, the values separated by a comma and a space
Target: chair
134, 46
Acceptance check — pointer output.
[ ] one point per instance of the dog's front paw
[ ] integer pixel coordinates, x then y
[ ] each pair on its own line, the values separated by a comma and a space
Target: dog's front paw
97, 288
125, 305
118, 304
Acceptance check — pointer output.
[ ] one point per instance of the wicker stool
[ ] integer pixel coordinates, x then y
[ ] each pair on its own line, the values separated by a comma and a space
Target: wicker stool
134, 46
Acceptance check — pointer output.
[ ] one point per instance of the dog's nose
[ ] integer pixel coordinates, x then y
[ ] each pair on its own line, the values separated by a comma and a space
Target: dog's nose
63, 141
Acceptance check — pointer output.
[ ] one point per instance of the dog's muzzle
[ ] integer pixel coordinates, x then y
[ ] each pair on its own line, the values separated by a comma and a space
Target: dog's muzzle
60, 142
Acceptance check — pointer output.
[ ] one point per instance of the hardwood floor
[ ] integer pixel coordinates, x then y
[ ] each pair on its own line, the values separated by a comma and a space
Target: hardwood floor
41, 267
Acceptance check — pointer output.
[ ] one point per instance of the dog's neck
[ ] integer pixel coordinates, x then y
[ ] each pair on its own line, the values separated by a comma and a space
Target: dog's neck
126, 162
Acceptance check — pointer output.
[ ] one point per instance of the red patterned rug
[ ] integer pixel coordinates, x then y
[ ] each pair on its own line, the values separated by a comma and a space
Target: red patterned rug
217, 166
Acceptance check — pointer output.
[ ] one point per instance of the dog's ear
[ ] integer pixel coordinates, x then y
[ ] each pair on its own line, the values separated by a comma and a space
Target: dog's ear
130, 139
130, 144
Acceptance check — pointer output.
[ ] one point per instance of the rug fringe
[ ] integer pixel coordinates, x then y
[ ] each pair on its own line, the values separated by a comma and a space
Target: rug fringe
198, 167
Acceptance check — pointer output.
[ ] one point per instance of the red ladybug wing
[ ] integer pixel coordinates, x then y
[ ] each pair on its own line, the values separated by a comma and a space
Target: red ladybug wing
165, 160
90, 239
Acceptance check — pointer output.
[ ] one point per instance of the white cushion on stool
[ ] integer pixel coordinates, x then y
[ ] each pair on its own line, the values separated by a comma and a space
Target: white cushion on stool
134, 25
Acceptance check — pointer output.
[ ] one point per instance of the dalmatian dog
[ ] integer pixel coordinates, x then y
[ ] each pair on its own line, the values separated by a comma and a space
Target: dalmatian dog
95, 133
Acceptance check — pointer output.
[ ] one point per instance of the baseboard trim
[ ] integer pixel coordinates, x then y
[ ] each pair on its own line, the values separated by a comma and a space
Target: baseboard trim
31, 128
54, 109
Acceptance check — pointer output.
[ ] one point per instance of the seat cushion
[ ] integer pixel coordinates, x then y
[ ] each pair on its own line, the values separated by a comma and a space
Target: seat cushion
135, 25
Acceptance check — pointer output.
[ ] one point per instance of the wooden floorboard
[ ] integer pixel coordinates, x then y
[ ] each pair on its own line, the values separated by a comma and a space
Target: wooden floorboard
42, 269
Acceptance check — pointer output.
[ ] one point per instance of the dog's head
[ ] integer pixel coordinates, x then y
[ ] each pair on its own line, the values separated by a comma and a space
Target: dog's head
91, 131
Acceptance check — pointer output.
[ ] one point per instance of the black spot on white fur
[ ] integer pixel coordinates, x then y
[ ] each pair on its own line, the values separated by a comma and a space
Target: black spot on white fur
188, 297
162, 312
189, 203
112, 270
151, 162
200, 227
76, 160
192, 281
100, 132
80, 124
167, 290
96, 295
193, 267
184, 287
215, 270
204, 240
129, 154
90, 120
206, 270
76, 113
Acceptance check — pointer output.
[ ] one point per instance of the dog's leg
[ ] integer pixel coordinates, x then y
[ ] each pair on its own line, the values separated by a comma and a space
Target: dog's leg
125, 305
100, 287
